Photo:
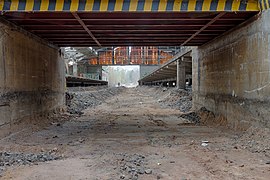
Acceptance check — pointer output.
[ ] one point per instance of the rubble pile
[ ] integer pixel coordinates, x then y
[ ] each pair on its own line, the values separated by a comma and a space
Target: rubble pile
179, 99
170, 97
11, 159
202, 115
132, 166
77, 101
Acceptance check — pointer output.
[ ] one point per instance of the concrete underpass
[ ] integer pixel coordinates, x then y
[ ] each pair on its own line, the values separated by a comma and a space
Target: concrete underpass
123, 89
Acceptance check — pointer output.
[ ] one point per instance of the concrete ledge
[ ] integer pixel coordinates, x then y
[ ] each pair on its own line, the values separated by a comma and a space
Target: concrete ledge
240, 113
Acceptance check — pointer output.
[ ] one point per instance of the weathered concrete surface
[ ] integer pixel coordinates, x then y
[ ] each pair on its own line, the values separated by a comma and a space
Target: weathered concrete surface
181, 74
232, 74
31, 77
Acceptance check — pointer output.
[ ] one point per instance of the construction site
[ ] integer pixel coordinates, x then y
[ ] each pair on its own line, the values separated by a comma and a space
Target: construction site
135, 89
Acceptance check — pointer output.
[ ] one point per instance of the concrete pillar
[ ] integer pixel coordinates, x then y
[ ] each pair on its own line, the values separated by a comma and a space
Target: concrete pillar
241, 61
75, 69
32, 79
181, 74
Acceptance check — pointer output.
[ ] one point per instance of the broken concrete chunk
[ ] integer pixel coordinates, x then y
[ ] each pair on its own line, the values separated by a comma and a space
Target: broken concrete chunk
148, 171
204, 144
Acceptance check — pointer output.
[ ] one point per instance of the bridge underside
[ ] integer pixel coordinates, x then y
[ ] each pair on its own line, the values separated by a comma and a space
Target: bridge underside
127, 29
129, 23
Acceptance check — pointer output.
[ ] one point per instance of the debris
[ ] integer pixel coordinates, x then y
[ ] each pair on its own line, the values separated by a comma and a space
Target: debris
148, 171
81, 140
204, 144
10, 158
56, 124
122, 177
132, 165
268, 162
229, 161
159, 164
78, 100
192, 116
141, 170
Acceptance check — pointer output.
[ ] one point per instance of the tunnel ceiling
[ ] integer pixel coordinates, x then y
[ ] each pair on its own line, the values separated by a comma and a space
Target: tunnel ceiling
128, 29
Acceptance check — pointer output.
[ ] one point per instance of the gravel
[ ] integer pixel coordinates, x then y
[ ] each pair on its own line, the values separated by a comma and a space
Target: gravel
179, 99
77, 101
192, 116
13, 158
256, 139
132, 166
195, 116
170, 97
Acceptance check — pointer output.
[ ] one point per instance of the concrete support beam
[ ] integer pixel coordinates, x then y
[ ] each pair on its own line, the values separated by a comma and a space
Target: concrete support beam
181, 74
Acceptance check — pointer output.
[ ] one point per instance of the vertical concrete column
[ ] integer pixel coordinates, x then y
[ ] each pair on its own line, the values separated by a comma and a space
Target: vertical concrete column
75, 69
181, 74
112, 55
158, 55
128, 54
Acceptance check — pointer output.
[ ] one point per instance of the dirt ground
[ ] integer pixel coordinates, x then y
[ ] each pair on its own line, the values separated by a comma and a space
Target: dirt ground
131, 136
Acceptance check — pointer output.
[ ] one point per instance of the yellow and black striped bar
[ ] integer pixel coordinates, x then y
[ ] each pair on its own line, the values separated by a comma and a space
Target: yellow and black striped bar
264, 4
133, 5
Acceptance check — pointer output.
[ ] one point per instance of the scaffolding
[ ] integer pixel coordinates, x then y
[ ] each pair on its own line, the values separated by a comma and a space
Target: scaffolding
134, 55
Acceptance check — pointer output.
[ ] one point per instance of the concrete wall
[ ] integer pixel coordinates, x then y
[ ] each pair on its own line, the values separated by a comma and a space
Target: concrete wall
89, 71
146, 69
232, 74
31, 77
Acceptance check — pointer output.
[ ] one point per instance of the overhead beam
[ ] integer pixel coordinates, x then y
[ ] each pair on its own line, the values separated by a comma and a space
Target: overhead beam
131, 44
86, 29
124, 35
131, 41
204, 27
107, 6
129, 20
122, 30
128, 38
106, 26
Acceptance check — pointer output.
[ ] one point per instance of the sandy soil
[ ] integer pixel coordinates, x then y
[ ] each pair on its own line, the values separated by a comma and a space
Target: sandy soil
131, 134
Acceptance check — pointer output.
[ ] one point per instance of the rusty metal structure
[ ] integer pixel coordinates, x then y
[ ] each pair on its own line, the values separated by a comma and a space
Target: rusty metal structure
134, 55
